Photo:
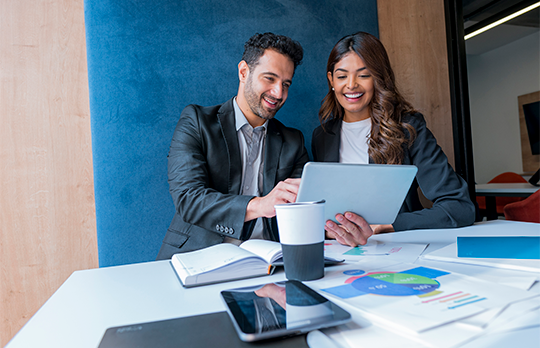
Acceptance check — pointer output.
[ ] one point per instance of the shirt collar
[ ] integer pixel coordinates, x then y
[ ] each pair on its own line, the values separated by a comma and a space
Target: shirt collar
241, 119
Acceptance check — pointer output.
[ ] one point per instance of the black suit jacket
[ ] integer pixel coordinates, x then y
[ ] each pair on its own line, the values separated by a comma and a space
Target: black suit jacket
452, 206
205, 174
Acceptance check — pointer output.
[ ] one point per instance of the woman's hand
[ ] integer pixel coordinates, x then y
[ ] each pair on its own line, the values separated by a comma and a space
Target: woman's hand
382, 228
352, 229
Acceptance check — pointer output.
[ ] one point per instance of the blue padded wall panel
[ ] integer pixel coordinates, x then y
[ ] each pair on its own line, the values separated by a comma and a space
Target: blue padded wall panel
148, 59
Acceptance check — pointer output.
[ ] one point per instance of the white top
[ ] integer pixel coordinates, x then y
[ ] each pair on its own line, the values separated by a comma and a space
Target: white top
354, 142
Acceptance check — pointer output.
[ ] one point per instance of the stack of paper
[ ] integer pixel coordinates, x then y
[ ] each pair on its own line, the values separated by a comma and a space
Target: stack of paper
432, 307
363, 333
450, 252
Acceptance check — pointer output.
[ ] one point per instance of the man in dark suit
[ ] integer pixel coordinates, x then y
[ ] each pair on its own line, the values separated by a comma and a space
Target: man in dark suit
230, 164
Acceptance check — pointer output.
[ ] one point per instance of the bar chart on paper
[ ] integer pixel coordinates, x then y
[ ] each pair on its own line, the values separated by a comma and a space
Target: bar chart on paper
403, 252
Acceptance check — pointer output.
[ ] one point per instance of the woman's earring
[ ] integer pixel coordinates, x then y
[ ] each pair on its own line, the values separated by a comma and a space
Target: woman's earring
332, 88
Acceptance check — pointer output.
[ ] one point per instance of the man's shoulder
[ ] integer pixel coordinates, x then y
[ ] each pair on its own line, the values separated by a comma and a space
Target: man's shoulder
214, 110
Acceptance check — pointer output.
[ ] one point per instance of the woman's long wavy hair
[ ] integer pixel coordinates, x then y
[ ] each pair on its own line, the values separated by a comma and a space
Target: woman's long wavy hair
387, 106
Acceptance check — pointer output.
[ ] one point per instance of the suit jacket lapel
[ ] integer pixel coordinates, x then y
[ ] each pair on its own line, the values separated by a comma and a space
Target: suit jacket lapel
332, 142
227, 122
272, 150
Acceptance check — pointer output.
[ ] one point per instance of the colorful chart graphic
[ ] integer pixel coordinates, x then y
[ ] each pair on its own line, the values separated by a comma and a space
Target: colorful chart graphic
394, 292
355, 251
377, 249
457, 299
414, 282
359, 251
354, 272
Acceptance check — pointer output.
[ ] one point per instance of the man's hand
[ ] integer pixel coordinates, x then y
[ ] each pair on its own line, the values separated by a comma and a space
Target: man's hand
352, 229
284, 192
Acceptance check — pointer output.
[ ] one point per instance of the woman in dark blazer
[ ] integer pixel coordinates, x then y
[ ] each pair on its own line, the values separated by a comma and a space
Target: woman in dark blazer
364, 119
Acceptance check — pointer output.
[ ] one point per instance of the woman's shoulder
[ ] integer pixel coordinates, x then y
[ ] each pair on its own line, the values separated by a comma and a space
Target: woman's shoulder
413, 118
329, 127
318, 131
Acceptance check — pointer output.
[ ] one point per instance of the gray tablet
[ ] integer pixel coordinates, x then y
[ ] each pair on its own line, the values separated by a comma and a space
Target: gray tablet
374, 191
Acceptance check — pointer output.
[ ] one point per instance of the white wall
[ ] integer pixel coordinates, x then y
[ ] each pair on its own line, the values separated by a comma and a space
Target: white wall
496, 79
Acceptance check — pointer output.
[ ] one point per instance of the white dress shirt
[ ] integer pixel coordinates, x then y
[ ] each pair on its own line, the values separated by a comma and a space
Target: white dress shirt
250, 186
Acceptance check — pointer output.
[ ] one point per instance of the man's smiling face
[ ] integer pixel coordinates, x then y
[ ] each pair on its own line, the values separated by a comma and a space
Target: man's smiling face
266, 86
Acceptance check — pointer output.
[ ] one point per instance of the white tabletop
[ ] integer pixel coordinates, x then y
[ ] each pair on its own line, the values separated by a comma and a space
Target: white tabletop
506, 188
91, 301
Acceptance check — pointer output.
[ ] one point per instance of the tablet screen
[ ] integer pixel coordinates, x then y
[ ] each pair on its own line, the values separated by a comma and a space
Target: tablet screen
374, 191
280, 309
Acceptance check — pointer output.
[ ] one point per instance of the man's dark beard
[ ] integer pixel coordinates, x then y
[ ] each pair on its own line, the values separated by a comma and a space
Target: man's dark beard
255, 102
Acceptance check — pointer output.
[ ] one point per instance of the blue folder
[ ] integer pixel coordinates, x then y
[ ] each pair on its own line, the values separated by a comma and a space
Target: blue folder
524, 247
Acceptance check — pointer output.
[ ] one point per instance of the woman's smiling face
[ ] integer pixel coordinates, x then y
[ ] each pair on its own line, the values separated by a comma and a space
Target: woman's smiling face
353, 87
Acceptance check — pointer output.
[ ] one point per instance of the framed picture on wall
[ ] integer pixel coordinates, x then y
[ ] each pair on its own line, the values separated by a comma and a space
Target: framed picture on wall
529, 124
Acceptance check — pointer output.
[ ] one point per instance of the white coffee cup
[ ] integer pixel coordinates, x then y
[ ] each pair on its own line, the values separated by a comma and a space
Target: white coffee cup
301, 233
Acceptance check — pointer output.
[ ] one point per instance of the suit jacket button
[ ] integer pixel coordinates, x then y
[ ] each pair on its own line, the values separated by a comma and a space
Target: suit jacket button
231, 230
217, 227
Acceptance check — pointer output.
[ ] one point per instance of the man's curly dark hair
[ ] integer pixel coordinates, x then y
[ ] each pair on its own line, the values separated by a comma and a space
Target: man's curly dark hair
256, 45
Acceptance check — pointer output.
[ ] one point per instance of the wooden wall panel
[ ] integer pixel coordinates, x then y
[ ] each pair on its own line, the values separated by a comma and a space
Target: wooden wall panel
47, 211
414, 34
